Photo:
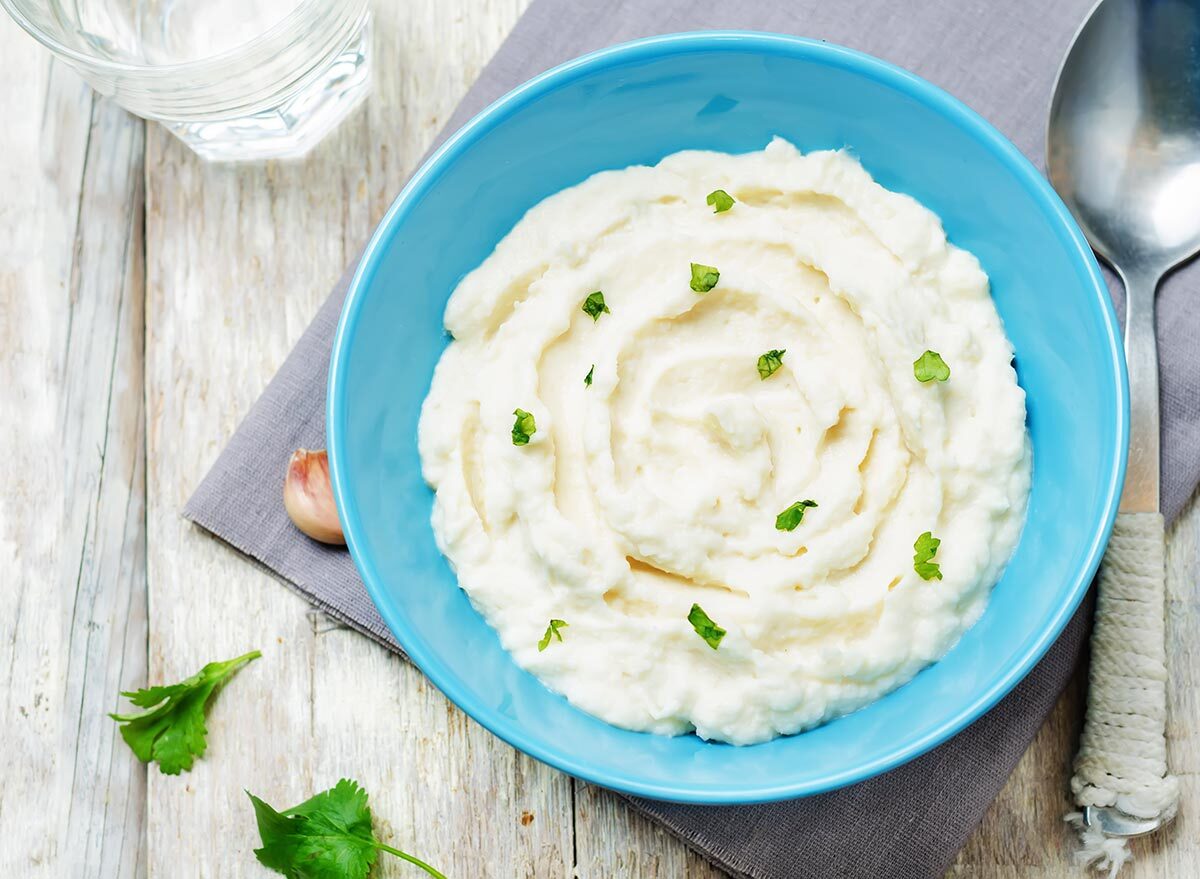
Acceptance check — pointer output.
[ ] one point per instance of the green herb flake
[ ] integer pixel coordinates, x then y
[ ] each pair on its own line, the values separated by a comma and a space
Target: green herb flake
587, 379
792, 516
552, 631
705, 627
720, 200
769, 363
930, 366
594, 306
926, 548
326, 837
704, 278
523, 428
172, 733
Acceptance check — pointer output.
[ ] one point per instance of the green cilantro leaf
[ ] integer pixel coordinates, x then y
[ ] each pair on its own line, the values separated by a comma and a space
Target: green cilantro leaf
326, 837
792, 516
926, 548
172, 732
523, 428
769, 363
552, 631
587, 379
704, 278
705, 627
720, 200
594, 306
930, 366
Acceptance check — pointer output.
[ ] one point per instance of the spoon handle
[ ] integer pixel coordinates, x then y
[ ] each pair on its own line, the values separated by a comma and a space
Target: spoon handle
1121, 766
1141, 356
1122, 758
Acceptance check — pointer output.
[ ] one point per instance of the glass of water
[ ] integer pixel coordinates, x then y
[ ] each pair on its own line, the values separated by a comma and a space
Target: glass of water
233, 79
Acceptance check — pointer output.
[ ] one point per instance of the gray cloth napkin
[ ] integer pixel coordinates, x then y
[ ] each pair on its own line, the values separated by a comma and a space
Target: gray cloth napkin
1001, 59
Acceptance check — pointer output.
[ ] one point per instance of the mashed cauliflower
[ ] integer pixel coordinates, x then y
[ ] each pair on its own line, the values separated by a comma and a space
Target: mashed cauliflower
734, 426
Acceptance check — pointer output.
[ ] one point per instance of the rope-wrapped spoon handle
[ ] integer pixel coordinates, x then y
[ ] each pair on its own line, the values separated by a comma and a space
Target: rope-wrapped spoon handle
1122, 758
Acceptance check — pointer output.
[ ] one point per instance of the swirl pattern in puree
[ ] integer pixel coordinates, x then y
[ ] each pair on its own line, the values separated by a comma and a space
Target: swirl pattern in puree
656, 486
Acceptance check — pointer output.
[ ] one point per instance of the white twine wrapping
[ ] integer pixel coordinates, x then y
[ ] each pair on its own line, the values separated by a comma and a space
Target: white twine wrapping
1122, 758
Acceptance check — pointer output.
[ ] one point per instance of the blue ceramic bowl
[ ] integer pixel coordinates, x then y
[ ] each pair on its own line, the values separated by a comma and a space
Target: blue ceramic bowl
634, 104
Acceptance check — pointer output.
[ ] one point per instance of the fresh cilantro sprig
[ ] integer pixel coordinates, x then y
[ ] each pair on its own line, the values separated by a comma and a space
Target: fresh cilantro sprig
326, 837
720, 200
587, 379
769, 363
594, 306
792, 516
552, 631
926, 548
523, 428
705, 627
172, 733
930, 366
704, 278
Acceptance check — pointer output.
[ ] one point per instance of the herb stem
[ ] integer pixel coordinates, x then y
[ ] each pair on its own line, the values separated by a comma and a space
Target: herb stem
244, 658
412, 860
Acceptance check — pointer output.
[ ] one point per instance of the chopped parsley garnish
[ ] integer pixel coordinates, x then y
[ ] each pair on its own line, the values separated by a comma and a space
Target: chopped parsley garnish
792, 516
594, 306
172, 732
523, 428
720, 200
769, 363
552, 631
926, 548
705, 627
930, 366
704, 278
587, 379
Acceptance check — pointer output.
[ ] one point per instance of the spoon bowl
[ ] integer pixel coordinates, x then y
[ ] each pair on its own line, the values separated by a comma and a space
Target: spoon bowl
1124, 133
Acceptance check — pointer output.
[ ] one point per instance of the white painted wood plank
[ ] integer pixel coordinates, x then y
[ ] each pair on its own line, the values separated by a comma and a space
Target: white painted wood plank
443, 787
31, 630
72, 536
238, 260
614, 842
217, 325
103, 567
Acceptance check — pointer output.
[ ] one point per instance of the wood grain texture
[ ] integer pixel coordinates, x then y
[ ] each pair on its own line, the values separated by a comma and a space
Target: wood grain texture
103, 561
237, 259
73, 624
614, 842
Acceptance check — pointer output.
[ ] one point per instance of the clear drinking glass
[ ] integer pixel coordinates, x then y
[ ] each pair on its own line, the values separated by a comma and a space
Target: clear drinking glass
233, 79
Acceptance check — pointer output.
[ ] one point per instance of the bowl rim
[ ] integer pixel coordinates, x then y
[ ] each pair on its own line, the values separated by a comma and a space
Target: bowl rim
655, 47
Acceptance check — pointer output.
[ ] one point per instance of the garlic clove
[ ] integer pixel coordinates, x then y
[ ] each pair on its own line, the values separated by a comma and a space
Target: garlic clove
308, 496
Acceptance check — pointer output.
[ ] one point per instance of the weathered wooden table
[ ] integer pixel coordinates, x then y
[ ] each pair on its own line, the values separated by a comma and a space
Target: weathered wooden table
145, 301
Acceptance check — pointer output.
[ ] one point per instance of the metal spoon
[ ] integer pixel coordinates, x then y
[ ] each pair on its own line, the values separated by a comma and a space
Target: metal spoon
1124, 153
